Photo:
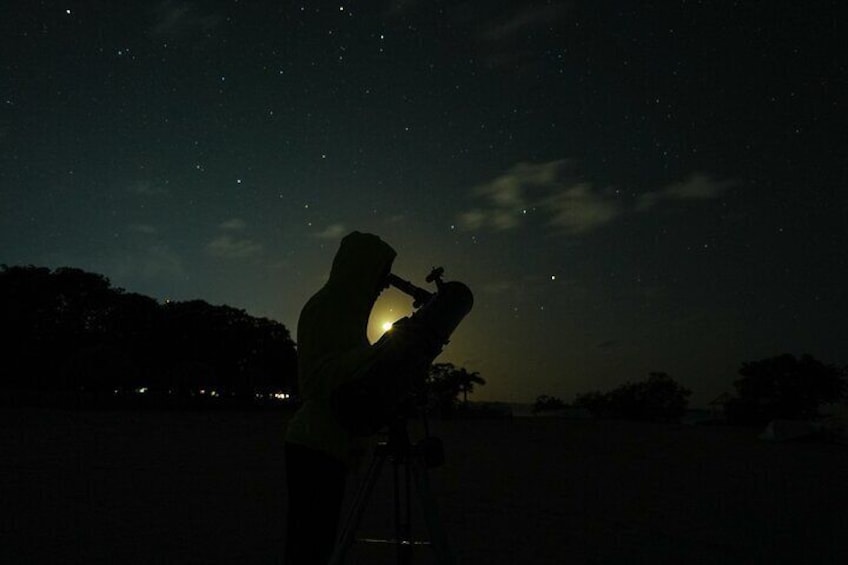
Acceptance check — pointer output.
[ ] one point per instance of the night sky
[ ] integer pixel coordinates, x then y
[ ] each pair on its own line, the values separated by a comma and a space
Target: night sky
626, 186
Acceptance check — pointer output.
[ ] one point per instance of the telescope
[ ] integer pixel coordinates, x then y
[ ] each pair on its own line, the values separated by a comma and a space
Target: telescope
439, 312
383, 396
383, 387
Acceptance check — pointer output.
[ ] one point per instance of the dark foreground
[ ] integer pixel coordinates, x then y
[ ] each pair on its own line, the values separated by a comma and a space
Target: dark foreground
208, 487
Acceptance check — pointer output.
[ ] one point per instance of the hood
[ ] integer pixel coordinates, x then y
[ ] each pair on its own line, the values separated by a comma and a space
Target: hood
361, 266
335, 319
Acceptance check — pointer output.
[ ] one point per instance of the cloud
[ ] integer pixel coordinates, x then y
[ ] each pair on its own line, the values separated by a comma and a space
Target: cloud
581, 209
228, 247
504, 199
146, 229
696, 187
550, 195
175, 19
333, 231
532, 189
234, 224
145, 188
498, 287
156, 261
503, 36
512, 40
161, 261
472, 220
524, 21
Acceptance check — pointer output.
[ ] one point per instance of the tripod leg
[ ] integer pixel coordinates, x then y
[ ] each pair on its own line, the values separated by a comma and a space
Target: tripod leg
357, 508
400, 532
403, 515
438, 537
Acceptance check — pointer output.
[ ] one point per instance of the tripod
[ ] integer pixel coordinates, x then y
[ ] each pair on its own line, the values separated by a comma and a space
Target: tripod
409, 467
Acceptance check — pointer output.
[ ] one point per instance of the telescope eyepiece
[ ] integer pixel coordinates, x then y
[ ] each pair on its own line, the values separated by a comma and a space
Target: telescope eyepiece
436, 276
419, 295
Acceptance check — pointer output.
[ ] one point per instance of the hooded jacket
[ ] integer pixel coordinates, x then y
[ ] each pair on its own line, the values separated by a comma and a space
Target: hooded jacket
332, 341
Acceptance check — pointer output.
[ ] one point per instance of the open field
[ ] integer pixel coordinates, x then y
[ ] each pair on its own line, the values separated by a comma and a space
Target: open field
208, 487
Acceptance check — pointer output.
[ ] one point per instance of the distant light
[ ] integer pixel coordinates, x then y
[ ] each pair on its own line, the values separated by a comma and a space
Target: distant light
553, 277
387, 326
213, 393
141, 389
281, 396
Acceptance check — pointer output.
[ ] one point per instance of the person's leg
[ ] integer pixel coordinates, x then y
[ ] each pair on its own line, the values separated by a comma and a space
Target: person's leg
316, 485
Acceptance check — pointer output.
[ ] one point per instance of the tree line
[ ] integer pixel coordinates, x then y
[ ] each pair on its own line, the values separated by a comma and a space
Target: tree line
780, 387
71, 330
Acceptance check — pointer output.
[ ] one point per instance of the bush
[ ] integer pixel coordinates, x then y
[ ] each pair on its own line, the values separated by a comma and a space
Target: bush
657, 399
547, 403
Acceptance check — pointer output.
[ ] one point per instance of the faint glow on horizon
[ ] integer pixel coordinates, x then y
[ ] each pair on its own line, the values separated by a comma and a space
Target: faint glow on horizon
391, 306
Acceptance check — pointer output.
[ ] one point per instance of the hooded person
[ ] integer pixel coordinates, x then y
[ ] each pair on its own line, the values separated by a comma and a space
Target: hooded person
336, 364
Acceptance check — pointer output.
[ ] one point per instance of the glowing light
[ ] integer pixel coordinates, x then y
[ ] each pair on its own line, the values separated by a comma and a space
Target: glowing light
386, 326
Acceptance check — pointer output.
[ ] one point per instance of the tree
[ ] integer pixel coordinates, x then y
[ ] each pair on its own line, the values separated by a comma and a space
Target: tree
445, 382
547, 403
658, 398
784, 387
465, 382
48, 317
71, 330
595, 402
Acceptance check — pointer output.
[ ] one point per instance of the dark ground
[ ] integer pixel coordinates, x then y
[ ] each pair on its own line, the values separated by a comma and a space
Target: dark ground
208, 487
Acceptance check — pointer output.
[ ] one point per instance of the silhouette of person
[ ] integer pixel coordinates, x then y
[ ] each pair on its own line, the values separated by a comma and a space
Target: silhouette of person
348, 388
